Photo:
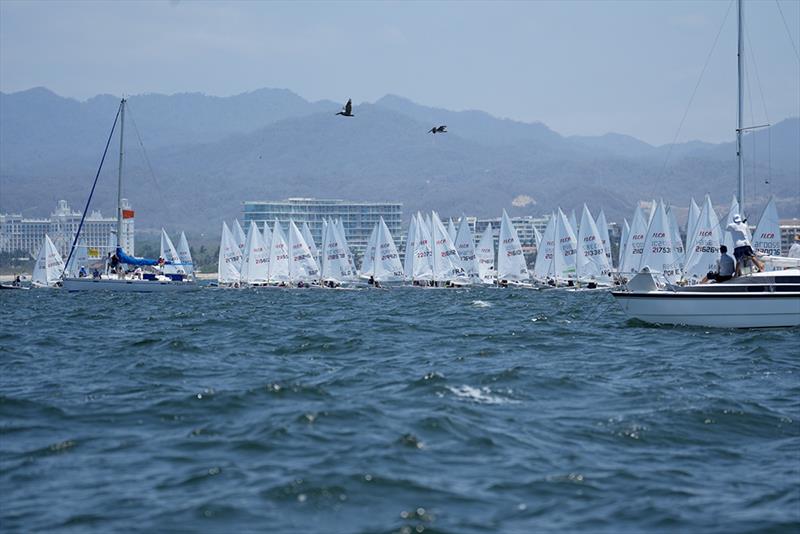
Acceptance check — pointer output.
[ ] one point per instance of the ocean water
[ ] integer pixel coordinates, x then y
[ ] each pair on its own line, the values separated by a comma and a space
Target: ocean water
389, 411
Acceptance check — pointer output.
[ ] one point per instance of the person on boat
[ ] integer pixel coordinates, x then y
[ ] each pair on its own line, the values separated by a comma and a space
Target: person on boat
138, 273
17, 281
377, 284
96, 274
743, 251
503, 283
371, 280
82, 272
725, 268
794, 250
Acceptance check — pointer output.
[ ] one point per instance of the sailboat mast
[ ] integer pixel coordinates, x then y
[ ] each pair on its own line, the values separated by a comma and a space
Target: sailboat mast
119, 176
739, 126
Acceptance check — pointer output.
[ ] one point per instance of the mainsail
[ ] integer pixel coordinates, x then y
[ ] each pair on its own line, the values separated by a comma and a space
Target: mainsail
169, 254
278, 255
335, 265
422, 266
659, 253
602, 227
767, 239
408, 257
510, 259
564, 258
255, 265
239, 238
626, 230
485, 256
543, 268
302, 265
306, 231
634, 246
49, 266
185, 255
446, 264
465, 246
591, 261
368, 261
387, 264
702, 257
229, 258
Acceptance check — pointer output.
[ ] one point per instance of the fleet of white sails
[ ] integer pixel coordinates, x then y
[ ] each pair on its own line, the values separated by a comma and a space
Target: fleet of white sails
570, 253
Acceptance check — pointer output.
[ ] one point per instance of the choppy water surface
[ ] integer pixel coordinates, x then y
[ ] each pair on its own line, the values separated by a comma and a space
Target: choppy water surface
389, 411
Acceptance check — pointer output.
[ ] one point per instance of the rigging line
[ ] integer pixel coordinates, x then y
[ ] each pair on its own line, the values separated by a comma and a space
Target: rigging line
161, 195
691, 99
91, 193
788, 33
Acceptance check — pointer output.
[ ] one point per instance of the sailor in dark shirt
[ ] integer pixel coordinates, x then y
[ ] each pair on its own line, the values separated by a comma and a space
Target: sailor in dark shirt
725, 267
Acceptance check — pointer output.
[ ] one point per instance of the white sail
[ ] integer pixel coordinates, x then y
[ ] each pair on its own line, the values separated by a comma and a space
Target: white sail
634, 247
564, 258
659, 254
368, 261
485, 256
387, 264
169, 254
510, 259
229, 258
677, 241
240, 239
49, 266
452, 232
591, 262
335, 265
306, 231
702, 257
255, 265
411, 240
422, 267
446, 264
465, 246
691, 223
727, 237
605, 239
341, 235
543, 267
185, 255
278, 255
302, 265
537, 237
767, 239
623, 241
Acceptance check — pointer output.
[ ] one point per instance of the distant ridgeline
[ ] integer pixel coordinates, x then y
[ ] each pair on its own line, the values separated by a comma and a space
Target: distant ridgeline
209, 154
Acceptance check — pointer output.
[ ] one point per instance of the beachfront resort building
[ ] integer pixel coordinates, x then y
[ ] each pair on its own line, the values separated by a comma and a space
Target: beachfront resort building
24, 236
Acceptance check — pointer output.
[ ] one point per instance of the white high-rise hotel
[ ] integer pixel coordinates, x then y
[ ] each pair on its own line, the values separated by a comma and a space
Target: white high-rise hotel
22, 235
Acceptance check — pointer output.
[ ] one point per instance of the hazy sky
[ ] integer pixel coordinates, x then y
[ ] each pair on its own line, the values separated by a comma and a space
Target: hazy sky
579, 67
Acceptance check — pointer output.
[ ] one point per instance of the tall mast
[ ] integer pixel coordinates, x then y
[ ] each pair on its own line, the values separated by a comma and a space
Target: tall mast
119, 176
739, 126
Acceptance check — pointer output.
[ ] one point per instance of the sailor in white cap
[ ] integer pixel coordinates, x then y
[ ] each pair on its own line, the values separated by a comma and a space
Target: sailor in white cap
743, 250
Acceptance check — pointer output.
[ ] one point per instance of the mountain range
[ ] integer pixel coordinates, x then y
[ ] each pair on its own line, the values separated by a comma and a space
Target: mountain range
191, 159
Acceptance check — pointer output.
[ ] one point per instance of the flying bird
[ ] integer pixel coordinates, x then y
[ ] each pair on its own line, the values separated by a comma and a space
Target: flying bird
438, 129
348, 109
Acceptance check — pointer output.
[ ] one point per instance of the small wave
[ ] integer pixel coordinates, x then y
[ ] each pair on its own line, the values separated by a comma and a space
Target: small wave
480, 395
481, 304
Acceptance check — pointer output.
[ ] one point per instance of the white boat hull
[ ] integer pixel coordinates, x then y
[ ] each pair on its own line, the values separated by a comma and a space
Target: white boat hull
723, 311
130, 286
